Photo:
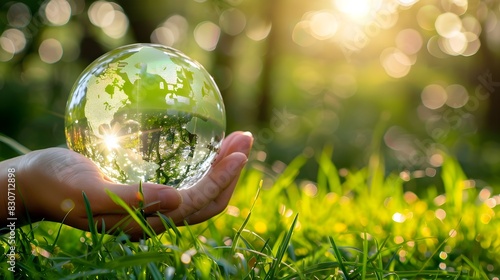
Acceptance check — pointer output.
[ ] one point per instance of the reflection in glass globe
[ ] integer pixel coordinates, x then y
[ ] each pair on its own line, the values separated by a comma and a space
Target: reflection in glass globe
146, 113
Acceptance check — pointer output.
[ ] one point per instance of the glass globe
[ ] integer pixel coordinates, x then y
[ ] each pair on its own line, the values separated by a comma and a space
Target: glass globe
146, 113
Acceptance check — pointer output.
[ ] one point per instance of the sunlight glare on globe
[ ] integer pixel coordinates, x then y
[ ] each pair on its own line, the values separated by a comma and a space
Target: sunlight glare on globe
146, 113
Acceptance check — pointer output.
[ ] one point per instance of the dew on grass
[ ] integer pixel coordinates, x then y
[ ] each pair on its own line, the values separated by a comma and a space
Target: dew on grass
146, 113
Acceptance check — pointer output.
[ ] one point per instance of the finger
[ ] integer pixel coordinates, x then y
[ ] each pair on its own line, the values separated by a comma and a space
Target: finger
210, 187
216, 206
236, 142
154, 198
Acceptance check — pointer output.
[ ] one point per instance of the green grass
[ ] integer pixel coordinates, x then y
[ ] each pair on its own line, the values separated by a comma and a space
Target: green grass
356, 224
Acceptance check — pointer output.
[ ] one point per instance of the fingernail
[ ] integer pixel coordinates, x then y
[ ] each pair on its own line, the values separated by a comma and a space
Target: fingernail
170, 198
246, 146
236, 164
248, 133
240, 164
243, 162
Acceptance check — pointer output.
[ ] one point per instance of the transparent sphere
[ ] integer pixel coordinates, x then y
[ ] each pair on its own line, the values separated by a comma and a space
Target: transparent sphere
146, 113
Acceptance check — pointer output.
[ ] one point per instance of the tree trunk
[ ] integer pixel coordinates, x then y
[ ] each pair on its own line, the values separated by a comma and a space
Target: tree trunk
266, 83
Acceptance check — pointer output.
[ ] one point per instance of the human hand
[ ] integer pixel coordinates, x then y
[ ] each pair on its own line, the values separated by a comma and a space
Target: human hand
52, 181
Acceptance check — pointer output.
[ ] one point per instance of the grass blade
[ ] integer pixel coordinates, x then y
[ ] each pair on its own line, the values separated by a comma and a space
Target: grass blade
139, 219
328, 171
282, 250
336, 251
238, 233
90, 216
365, 255
14, 144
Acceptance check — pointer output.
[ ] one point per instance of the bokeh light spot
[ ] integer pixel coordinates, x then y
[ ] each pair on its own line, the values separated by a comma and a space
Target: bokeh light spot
448, 24
258, 29
485, 218
13, 41
395, 62
433, 47
206, 35
457, 96
232, 21
426, 16
484, 194
436, 160
101, 13
301, 34
163, 35
118, 28
458, 7
310, 189
58, 12
407, 3
409, 41
67, 205
233, 211
471, 24
443, 255
110, 17
354, 8
473, 44
454, 45
185, 258
398, 217
18, 15
405, 175
440, 200
410, 197
491, 202
323, 25
433, 96
260, 227
440, 214
491, 20
7, 49
50, 51
172, 31
399, 239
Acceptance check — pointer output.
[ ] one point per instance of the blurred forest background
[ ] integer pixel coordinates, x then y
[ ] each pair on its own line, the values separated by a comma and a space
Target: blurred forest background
408, 78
